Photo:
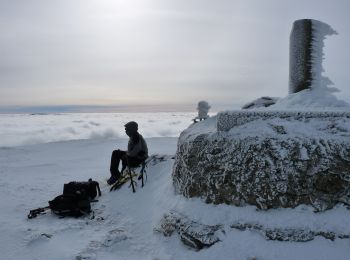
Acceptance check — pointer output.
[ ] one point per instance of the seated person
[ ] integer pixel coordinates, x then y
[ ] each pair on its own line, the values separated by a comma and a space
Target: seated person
136, 154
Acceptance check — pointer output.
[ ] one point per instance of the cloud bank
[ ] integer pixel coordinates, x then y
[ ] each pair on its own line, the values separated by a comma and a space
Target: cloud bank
25, 129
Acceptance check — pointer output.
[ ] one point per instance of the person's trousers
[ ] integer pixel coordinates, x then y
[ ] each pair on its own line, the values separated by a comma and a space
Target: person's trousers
117, 156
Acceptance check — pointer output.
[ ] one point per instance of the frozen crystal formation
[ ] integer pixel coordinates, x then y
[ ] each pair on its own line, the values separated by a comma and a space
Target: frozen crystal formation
266, 158
192, 233
306, 55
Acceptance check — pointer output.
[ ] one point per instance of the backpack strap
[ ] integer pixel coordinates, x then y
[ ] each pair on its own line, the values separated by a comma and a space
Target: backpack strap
39, 211
98, 188
132, 182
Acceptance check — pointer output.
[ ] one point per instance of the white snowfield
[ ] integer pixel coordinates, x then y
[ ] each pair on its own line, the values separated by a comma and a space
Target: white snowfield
123, 223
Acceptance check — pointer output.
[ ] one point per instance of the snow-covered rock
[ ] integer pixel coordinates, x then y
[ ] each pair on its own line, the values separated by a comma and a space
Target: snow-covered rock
266, 158
289, 234
192, 233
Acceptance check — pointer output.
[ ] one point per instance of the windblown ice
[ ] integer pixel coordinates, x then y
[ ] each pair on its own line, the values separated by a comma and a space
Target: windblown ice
306, 55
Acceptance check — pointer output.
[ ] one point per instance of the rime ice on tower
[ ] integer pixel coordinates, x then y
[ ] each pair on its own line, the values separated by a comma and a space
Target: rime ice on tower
306, 55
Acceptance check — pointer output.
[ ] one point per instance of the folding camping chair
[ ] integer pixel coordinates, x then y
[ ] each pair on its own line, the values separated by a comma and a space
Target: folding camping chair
132, 171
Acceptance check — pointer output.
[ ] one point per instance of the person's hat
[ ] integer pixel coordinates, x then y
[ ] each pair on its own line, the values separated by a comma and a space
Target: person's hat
132, 125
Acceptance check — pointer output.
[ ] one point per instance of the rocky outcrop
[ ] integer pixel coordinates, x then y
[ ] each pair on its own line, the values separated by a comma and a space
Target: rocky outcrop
288, 234
198, 236
192, 233
268, 162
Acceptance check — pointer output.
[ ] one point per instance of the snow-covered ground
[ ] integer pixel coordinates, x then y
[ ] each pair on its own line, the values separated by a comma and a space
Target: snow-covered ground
124, 222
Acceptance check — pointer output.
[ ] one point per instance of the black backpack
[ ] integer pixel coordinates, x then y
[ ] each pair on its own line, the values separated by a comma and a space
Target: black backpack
75, 205
90, 188
75, 200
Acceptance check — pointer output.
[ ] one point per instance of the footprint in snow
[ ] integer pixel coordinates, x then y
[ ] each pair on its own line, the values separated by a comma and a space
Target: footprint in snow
111, 238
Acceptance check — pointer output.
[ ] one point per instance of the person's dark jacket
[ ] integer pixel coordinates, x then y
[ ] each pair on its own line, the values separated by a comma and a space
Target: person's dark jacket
137, 147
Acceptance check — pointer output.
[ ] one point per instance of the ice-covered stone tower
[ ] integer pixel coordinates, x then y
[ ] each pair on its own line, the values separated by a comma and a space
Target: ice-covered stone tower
306, 55
294, 152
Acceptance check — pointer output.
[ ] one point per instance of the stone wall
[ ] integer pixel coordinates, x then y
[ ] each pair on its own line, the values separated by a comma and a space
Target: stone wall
229, 119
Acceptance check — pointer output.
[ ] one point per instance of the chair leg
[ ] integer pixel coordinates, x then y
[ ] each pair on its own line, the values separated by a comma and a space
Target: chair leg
132, 181
142, 183
141, 178
142, 174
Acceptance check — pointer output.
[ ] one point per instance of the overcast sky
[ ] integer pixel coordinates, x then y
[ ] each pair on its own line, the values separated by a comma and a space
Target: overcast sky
161, 52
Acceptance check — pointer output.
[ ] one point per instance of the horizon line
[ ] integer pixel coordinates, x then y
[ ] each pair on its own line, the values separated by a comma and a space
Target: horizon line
47, 109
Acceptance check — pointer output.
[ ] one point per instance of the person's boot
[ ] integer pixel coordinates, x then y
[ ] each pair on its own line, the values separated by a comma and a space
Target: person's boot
113, 179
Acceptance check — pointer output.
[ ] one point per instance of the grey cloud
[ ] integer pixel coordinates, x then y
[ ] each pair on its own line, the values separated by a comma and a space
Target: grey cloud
185, 50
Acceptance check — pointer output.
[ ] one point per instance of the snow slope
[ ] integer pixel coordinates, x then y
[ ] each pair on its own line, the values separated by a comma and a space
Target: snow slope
123, 226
